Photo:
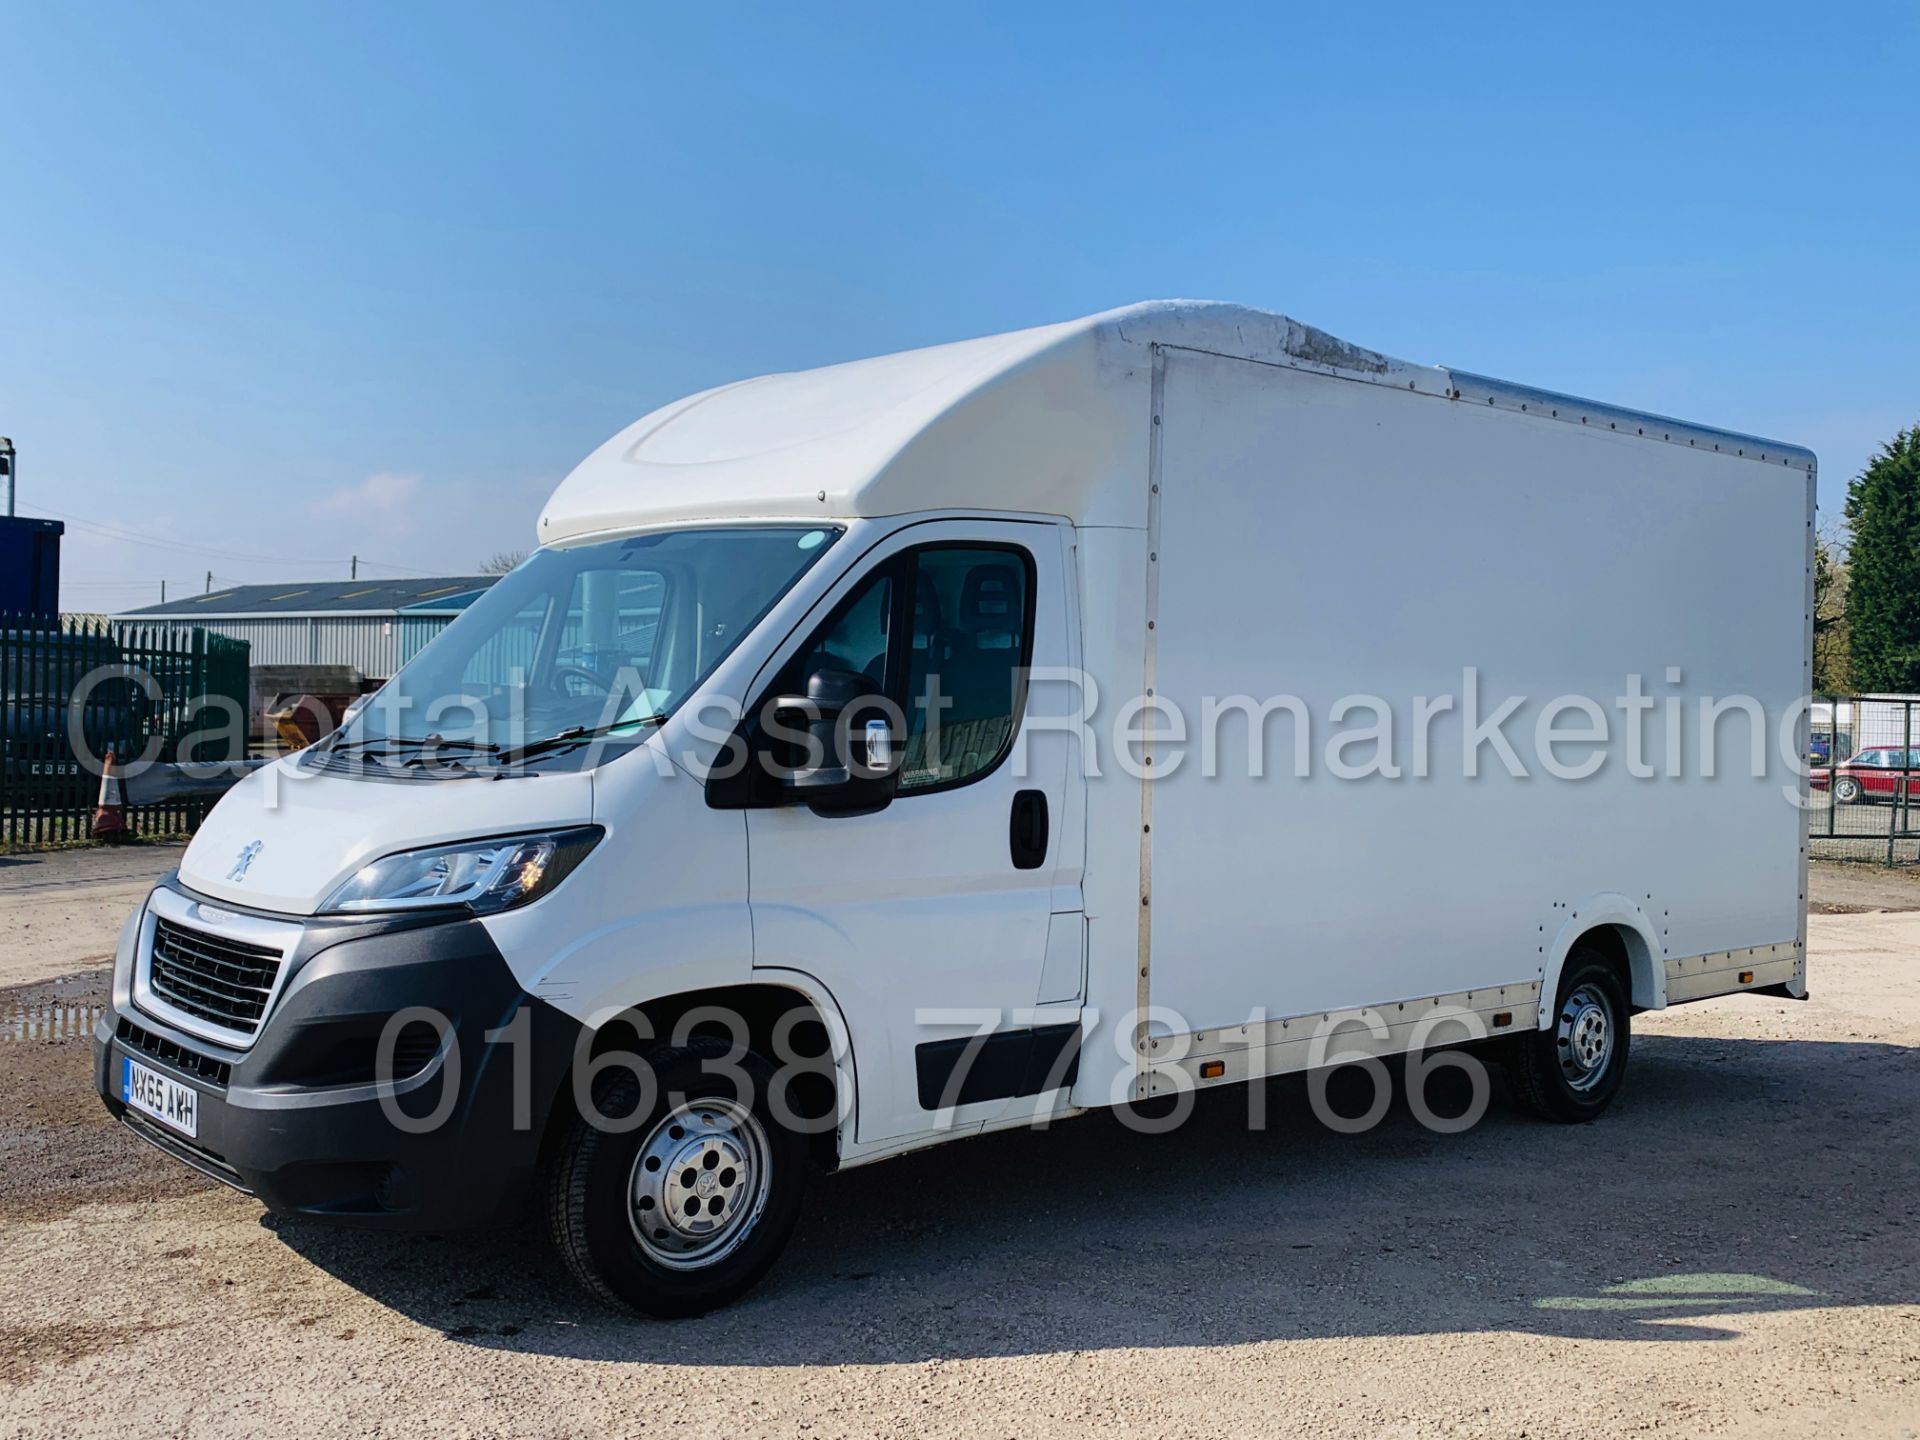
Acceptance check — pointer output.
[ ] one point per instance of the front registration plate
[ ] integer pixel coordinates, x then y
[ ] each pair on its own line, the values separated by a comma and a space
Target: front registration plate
167, 1101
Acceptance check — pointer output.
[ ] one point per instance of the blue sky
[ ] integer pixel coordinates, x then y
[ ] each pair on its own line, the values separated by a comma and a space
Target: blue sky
280, 285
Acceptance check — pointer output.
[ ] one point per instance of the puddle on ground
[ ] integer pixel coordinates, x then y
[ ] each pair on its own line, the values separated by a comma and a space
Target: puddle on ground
52, 1022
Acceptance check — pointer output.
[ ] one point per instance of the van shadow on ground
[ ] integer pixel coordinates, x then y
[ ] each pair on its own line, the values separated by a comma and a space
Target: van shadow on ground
1732, 1178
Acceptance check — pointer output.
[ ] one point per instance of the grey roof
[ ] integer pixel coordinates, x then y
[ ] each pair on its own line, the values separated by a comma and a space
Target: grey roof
322, 597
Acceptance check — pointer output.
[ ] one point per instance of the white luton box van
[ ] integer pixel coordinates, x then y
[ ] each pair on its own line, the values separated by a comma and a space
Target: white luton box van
884, 754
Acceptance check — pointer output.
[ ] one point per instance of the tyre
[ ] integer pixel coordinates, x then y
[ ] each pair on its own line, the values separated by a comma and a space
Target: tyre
683, 1209
1846, 790
1571, 1070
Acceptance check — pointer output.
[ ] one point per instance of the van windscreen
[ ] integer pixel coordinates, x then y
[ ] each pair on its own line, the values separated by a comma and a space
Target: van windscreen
602, 637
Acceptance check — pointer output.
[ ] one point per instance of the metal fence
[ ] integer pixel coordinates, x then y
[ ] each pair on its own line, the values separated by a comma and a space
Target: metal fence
1865, 758
70, 691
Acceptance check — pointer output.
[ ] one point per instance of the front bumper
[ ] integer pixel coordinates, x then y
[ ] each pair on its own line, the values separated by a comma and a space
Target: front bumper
298, 1118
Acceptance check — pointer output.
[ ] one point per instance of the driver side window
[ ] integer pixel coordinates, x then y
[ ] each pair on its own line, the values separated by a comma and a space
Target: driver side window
855, 639
945, 632
967, 665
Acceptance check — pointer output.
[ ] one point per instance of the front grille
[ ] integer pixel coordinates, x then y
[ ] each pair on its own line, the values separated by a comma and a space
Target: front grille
168, 1052
222, 981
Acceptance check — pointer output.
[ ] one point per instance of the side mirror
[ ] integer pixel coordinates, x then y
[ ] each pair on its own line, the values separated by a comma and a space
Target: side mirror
841, 725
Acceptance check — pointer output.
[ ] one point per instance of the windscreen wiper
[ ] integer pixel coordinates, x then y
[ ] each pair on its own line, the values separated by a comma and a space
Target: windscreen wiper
415, 742
573, 735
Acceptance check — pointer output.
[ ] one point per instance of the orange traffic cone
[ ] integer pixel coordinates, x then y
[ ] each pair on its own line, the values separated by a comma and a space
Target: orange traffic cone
110, 815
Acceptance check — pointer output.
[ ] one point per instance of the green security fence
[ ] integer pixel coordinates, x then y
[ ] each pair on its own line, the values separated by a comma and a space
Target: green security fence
72, 690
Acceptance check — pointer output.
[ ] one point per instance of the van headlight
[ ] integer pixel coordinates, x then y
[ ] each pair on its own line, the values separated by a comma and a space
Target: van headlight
485, 876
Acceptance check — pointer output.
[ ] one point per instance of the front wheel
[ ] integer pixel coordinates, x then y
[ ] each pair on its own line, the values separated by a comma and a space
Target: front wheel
1846, 790
681, 1209
1571, 1070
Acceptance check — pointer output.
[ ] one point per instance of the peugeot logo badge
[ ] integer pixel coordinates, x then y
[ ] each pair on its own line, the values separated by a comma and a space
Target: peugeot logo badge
243, 860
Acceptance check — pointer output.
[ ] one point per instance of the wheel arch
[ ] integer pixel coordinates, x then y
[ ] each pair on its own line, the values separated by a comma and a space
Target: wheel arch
763, 1004
1626, 929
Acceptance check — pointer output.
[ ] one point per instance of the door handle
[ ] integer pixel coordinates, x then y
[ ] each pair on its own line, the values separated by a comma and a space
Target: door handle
1027, 830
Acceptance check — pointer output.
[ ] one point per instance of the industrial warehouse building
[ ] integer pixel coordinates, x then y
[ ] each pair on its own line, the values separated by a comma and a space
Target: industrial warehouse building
373, 626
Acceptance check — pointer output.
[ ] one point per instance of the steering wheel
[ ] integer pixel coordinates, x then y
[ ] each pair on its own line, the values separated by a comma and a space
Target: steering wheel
562, 670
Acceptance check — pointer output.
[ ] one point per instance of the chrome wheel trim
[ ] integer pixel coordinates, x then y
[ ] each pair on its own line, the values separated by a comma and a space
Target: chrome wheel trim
1585, 1037
699, 1182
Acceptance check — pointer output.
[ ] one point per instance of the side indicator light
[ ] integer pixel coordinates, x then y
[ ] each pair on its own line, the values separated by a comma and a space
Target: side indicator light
1502, 1019
1746, 977
1212, 1069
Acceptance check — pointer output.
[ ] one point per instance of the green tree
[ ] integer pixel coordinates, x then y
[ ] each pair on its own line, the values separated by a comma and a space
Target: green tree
1832, 667
1883, 568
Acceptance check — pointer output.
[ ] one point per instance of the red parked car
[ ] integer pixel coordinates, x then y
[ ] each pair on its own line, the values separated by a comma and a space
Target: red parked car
1876, 772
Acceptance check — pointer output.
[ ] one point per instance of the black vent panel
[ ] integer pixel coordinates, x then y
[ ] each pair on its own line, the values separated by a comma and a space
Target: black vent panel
330, 762
167, 1052
222, 981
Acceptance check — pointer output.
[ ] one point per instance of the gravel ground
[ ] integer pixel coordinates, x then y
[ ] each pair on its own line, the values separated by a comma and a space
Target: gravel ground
61, 910
1731, 1251
1852, 889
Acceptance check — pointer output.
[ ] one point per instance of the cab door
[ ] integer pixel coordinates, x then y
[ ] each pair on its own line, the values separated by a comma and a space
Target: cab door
928, 920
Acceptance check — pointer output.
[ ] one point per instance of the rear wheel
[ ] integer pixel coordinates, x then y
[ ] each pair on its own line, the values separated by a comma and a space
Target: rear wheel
1846, 790
1571, 1070
684, 1208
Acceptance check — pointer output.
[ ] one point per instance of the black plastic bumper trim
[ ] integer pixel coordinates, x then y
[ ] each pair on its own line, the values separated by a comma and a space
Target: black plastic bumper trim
1000, 1067
285, 1129
208, 1164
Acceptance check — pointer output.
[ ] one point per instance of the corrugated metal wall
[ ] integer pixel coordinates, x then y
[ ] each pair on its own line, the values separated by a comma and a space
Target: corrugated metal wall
376, 647
415, 631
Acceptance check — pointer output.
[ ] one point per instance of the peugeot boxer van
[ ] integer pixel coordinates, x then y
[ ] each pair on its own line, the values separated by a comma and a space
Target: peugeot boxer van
886, 754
